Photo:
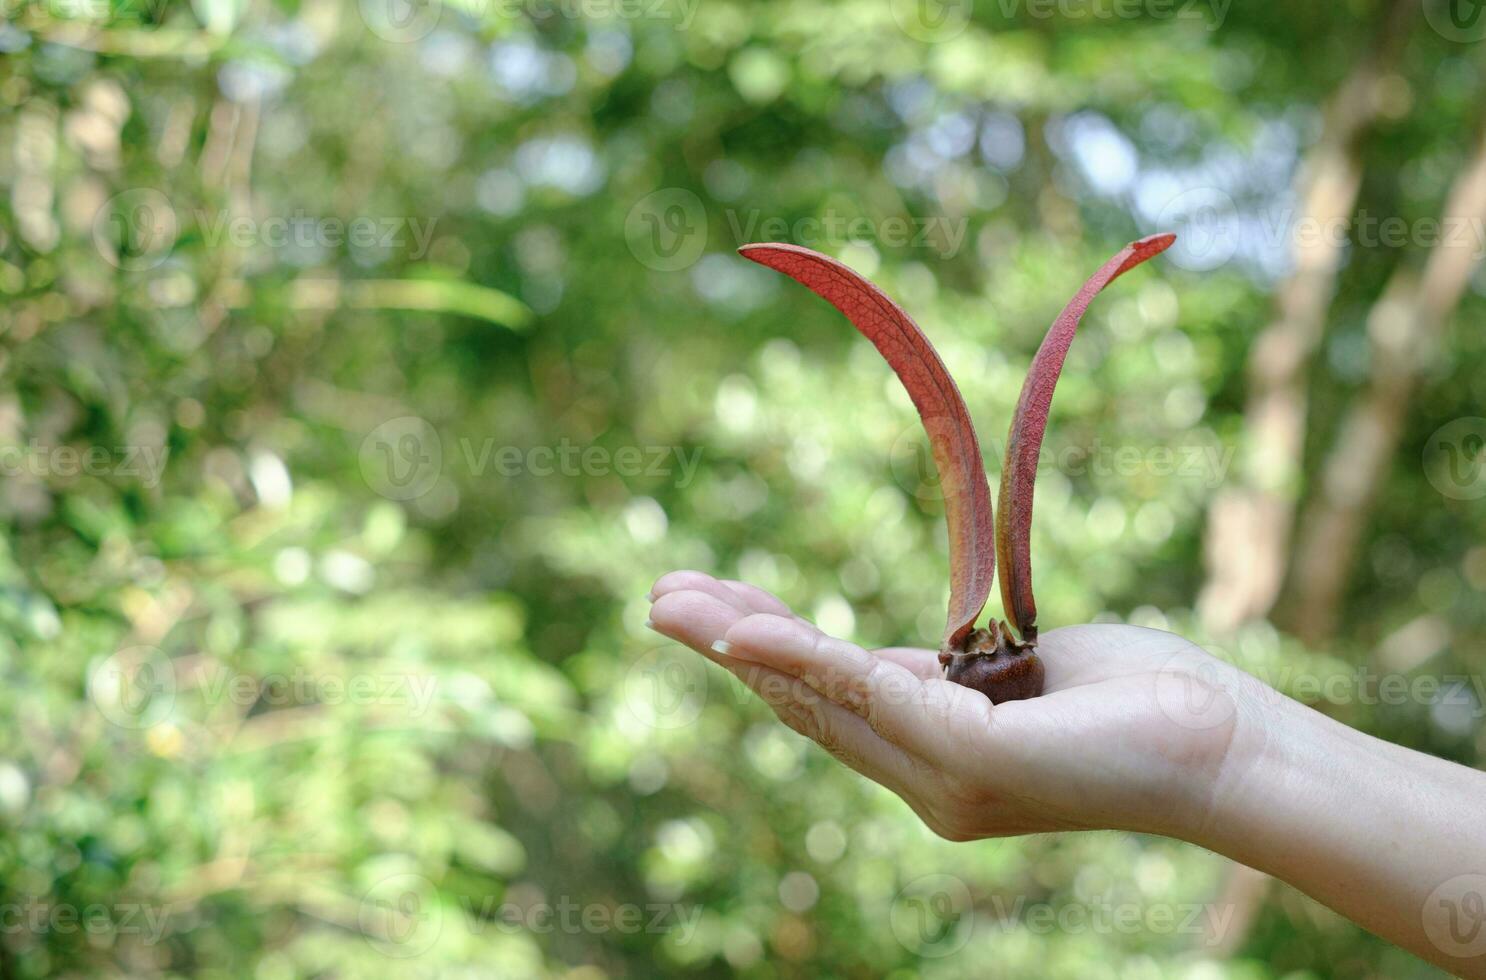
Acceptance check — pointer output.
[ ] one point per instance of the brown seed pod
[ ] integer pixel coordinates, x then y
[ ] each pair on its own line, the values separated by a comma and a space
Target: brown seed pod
996, 665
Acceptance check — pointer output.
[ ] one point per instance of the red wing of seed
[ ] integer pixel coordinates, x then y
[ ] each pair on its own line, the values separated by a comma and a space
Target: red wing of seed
1024, 442
967, 495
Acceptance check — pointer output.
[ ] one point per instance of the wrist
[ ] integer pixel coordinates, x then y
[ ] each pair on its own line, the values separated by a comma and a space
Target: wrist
1286, 772
1259, 767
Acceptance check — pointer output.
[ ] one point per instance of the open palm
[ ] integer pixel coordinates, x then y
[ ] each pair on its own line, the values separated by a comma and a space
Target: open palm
1128, 718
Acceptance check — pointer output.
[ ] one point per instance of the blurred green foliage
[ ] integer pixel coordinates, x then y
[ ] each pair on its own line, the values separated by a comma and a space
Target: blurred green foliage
331, 654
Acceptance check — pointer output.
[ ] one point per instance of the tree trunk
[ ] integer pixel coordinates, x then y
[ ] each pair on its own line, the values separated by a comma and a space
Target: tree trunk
1404, 328
1248, 533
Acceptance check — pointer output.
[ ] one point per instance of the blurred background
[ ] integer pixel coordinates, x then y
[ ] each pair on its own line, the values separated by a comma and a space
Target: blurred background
361, 366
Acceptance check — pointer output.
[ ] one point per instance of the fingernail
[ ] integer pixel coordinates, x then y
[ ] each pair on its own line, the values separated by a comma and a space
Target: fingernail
722, 647
650, 625
650, 596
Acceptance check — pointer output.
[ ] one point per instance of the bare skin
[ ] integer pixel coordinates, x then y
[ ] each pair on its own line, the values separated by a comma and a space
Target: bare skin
1140, 730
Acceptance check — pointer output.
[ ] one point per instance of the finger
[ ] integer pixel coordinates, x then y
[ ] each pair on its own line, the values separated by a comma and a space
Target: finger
759, 600
844, 735
897, 704
692, 581
699, 620
924, 664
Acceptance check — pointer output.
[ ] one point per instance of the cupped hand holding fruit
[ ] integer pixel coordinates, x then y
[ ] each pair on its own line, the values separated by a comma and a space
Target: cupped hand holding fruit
1136, 729
1004, 731
969, 771
1106, 745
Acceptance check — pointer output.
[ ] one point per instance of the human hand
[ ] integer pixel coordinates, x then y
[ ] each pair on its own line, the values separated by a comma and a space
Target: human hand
1137, 729
1132, 731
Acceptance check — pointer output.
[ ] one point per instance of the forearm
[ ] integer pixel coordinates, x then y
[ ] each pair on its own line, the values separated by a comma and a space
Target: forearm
1391, 838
